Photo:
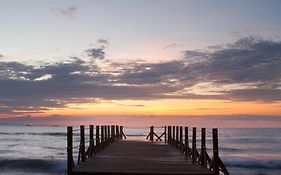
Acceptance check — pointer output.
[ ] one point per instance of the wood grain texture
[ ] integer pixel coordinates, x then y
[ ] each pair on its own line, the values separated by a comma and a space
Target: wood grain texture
140, 157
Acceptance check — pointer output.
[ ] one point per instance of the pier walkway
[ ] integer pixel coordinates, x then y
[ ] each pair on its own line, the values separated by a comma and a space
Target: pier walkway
169, 154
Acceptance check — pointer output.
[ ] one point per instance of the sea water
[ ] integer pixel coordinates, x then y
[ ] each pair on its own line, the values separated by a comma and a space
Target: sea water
41, 150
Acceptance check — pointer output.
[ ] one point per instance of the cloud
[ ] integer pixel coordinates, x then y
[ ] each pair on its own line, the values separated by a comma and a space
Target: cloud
172, 46
103, 41
247, 70
96, 53
67, 12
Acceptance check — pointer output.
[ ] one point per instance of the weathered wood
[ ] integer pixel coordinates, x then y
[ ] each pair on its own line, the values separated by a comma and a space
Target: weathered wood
70, 162
194, 157
140, 158
174, 135
108, 133
117, 133
203, 159
91, 140
121, 132
105, 135
223, 168
82, 143
165, 131
169, 135
186, 143
151, 133
177, 136
102, 137
98, 149
215, 152
112, 133
180, 140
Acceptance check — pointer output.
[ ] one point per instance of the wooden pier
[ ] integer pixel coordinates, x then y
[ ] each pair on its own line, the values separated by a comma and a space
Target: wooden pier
168, 153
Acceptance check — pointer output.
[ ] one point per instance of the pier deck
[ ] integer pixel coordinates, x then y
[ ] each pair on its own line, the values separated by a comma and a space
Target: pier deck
140, 157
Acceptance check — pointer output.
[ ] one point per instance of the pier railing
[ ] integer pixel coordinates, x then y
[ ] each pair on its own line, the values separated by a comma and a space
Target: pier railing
99, 137
179, 137
82, 145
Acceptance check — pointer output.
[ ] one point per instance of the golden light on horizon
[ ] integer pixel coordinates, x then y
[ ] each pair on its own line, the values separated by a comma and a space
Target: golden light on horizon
167, 107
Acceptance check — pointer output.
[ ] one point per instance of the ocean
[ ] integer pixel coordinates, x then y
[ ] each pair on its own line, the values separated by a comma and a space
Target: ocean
41, 150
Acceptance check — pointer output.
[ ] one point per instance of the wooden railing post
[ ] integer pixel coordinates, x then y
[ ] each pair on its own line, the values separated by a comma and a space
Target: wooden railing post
97, 138
91, 140
177, 136
169, 135
82, 143
151, 133
215, 152
102, 137
181, 143
186, 143
165, 135
70, 162
117, 133
203, 148
112, 133
105, 135
173, 137
121, 132
194, 144
108, 134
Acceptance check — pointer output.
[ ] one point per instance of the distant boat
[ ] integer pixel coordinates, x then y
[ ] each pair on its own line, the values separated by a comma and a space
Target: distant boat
29, 124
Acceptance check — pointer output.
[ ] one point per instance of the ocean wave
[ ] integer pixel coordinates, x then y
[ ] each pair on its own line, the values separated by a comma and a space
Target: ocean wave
252, 163
32, 165
34, 133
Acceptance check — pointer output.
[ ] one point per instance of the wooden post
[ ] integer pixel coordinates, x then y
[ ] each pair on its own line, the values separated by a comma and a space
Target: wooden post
69, 150
180, 144
186, 141
102, 137
105, 135
151, 133
91, 140
215, 152
194, 144
112, 133
97, 138
121, 132
165, 131
177, 136
203, 147
117, 133
173, 137
82, 143
169, 134
108, 134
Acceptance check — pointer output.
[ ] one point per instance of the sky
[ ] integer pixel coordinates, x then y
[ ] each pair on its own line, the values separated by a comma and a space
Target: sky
204, 62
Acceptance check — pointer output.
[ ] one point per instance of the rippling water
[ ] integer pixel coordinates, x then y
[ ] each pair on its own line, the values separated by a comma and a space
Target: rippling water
42, 149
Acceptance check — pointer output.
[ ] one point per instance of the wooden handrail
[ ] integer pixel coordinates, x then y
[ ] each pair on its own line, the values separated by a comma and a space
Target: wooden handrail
174, 136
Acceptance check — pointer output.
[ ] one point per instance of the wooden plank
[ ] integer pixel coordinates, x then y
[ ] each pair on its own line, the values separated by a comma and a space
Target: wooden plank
139, 157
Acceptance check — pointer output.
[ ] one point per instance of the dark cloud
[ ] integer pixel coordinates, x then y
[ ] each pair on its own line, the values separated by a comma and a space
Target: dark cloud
96, 53
68, 12
103, 41
247, 70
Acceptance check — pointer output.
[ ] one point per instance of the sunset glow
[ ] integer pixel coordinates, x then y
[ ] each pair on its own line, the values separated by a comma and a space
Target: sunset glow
173, 59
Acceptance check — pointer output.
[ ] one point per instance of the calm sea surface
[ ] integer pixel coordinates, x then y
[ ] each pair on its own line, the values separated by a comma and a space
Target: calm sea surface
42, 149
